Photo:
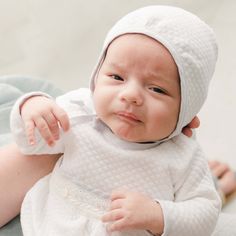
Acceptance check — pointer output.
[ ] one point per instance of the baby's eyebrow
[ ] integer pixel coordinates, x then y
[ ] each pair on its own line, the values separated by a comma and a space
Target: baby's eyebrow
161, 79
119, 66
152, 76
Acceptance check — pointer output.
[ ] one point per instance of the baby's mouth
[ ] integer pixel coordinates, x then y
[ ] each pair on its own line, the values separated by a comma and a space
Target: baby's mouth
123, 115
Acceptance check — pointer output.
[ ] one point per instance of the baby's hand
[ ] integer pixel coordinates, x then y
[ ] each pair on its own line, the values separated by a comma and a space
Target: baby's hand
133, 210
46, 115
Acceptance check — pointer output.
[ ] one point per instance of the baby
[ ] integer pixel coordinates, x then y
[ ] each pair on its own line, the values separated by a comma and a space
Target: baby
126, 168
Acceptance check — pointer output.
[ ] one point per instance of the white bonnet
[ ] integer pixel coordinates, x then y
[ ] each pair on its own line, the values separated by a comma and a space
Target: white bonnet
190, 41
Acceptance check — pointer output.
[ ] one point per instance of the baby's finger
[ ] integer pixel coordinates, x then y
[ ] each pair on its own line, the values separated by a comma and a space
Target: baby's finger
29, 129
118, 225
116, 204
62, 117
52, 124
118, 194
44, 130
112, 216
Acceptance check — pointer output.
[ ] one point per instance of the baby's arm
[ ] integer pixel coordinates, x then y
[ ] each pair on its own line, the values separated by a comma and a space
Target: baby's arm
18, 173
132, 210
43, 113
38, 111
197, 205
194, 211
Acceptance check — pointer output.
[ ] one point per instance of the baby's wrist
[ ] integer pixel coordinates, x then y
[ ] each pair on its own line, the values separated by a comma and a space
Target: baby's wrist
156, 224
28, 99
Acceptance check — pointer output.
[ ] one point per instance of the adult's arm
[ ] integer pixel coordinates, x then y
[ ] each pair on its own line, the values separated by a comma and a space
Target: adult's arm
18, 173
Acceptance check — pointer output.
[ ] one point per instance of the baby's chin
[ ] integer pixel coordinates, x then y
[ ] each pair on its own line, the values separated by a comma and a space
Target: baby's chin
130, 136
124, 135
135, 138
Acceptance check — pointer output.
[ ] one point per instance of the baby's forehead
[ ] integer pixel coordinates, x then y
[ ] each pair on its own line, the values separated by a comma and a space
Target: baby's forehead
133, 39
138, 47
126, 43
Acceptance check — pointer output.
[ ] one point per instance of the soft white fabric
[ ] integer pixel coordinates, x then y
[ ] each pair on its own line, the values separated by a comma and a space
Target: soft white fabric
190, 41
72, 199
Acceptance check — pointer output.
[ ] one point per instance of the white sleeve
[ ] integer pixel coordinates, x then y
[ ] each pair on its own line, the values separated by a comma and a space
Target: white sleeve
70, 102
196, 206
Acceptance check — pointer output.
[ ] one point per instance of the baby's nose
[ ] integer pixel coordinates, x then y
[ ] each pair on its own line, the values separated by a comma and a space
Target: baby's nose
132, 93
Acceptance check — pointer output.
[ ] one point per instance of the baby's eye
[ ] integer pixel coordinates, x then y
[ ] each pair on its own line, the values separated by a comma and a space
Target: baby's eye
158, 90
117, 77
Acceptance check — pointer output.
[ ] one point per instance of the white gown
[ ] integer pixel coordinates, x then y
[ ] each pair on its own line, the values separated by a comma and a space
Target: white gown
72, 199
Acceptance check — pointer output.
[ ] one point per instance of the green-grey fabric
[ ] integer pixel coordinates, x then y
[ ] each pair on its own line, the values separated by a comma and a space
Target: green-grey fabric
11, 88
13, 228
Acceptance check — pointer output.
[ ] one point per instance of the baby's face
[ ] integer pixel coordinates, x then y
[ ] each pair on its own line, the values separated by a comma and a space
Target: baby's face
137, 91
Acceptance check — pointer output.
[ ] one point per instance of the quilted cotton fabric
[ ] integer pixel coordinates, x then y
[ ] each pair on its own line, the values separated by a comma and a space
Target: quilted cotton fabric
190, 41
73, 198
